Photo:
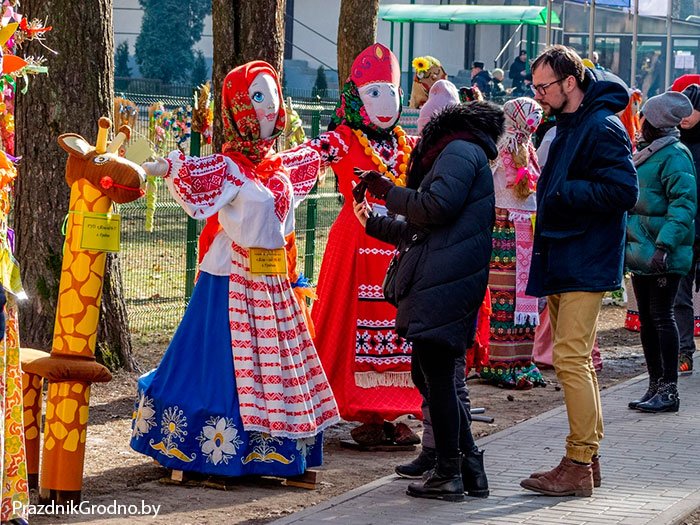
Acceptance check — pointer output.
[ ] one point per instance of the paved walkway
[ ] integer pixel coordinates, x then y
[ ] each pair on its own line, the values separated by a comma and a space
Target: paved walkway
648, 476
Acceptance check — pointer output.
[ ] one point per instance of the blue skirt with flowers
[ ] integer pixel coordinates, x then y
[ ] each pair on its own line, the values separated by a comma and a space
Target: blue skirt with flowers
187, 415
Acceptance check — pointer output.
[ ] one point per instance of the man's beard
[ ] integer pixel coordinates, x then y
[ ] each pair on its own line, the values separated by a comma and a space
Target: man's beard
553, 111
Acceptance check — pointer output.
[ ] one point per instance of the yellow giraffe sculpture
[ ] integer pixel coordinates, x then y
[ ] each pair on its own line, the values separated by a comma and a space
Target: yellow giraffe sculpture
97, 177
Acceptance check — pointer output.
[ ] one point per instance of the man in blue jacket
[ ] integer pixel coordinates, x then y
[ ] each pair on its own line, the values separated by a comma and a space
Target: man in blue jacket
481, 78
585, 189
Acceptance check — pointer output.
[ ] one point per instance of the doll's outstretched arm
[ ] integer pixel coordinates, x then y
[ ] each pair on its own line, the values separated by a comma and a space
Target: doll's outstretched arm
203, 185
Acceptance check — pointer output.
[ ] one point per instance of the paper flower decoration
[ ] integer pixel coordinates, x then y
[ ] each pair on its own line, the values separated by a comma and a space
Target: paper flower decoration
420, 64
423, 65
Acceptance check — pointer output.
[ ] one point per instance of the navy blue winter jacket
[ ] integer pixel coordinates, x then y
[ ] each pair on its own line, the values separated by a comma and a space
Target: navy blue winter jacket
585, 189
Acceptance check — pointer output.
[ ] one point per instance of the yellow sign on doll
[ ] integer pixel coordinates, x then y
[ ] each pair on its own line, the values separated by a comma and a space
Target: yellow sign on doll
101, 232
268, 262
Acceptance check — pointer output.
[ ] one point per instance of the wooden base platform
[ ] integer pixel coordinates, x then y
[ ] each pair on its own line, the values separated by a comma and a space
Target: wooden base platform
308, 480
384, 447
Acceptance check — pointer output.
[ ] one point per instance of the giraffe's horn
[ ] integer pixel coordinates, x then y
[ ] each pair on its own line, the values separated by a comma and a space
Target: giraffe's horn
123, 135
101, 143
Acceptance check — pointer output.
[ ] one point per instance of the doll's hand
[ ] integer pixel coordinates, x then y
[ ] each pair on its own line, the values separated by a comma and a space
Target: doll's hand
157, 168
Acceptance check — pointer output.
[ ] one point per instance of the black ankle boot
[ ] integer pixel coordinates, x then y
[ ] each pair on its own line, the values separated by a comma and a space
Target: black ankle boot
665, 400
651, 392
443, 482
474, 476
422, 464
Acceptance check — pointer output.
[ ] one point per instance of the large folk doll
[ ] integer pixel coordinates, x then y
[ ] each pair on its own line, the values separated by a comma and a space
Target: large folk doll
514, 314
428, 71
240, 389
367, 364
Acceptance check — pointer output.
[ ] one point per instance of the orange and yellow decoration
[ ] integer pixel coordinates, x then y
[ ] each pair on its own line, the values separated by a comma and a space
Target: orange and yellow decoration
399, 178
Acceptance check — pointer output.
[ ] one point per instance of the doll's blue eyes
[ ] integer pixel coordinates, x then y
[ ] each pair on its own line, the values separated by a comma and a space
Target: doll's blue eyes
258, 97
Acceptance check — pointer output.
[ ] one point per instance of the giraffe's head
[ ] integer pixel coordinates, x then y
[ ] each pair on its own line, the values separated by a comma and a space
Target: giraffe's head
119, 179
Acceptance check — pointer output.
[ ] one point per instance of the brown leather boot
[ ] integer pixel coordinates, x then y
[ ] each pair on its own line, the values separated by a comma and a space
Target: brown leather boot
568, 479
595, 467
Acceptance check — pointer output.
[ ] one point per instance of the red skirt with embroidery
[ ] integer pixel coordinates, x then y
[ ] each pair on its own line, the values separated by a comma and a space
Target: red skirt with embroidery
367, 364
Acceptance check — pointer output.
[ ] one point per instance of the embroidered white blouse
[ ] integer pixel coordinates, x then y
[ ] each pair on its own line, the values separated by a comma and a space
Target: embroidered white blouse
252, 212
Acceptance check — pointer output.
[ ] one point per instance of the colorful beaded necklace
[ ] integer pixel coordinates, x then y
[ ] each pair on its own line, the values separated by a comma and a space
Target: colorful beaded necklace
401, 161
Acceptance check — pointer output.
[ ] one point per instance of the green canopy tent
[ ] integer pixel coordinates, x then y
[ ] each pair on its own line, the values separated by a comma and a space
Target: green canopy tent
466, 14
532, 16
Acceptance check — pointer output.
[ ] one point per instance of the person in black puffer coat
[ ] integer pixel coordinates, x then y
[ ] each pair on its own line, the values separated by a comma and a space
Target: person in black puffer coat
445, 247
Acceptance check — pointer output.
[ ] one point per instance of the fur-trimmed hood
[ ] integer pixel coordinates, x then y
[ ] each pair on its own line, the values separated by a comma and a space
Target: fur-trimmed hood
479, 122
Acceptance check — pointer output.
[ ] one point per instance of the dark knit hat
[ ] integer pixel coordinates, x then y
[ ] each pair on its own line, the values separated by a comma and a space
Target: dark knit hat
480, 65
693, 94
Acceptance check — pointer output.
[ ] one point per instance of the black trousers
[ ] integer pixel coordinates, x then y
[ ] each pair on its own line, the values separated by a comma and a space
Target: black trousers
462, 394
659, 333
684, 313
433, 372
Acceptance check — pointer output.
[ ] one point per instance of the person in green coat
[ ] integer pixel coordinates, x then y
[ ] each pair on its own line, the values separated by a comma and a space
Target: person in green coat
659, 246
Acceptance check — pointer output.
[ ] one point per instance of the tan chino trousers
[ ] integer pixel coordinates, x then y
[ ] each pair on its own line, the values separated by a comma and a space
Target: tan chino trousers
574, 317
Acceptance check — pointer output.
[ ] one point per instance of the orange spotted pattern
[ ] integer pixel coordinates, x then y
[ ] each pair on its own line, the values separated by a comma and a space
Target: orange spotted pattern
31, 391
75, 334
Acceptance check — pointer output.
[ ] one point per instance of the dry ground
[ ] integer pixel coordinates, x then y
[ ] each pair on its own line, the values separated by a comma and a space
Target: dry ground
114, 472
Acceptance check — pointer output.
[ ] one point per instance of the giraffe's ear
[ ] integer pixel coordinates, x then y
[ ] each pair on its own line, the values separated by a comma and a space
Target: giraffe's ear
75, 145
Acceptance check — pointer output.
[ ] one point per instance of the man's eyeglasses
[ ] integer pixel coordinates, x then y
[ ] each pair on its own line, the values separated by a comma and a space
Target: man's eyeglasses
541, 89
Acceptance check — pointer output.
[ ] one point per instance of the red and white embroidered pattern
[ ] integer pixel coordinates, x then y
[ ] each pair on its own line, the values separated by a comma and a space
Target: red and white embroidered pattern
283, 198
375, 251
380, 345
330, 146
302, 166
282, 388
202, 181
384, 360
370, 292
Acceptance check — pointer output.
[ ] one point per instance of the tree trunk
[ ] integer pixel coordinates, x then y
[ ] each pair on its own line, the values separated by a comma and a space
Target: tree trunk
244, 31
71, 98
357, 30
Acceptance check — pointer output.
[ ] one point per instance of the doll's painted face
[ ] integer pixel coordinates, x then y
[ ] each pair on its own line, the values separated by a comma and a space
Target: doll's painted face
266, 102
381, 101
431, 76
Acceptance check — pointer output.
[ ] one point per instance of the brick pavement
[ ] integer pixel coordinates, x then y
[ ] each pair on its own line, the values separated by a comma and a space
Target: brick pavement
648, 476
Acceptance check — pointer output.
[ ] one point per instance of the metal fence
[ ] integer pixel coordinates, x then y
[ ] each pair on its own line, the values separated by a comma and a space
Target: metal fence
159, 266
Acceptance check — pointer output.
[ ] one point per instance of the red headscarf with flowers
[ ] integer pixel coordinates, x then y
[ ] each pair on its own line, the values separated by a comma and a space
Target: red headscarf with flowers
242, 132
241, 126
